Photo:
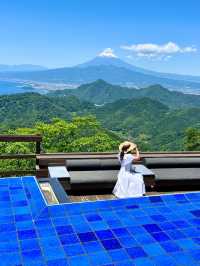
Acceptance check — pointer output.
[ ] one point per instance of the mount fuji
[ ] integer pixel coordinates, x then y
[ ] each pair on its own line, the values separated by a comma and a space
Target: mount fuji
110, 68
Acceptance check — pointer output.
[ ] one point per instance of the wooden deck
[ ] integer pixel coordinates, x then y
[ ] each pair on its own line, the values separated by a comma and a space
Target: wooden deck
83, 198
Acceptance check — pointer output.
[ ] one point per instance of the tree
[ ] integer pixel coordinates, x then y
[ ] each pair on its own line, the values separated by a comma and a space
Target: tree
192, 139
82, 134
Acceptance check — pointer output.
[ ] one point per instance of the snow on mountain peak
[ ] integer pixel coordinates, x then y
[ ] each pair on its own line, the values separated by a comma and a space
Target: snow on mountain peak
108, 52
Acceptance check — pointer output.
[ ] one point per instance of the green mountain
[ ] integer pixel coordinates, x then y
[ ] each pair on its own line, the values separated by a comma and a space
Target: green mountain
152, 124
149, 122
101, 92
27, 108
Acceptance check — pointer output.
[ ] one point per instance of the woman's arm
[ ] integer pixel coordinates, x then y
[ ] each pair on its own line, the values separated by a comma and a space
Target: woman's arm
137, 155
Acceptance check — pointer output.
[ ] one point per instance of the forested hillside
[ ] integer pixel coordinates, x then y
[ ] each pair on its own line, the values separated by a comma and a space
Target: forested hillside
101, 92
28, 108
150, 123
157, 121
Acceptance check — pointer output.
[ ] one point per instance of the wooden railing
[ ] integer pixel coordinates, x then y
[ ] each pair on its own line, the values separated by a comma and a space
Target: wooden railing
21, 138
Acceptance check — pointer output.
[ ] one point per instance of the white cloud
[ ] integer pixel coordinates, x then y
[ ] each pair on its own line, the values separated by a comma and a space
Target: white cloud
164, 51
108, 52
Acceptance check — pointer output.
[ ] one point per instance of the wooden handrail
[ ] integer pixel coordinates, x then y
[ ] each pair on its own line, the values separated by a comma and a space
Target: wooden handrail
20, 138
24, 138
17, 156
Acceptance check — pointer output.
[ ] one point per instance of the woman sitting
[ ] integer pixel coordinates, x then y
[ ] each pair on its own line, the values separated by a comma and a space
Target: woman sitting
129, 183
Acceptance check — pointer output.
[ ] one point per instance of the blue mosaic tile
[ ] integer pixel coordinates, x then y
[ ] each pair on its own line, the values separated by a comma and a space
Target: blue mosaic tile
64, 229
86, 237
158, 230
125, 263
111, 244
53, 253
167, 226
59, 221
5, 237
154, 249
114, 223
24, 225
184, 259
43, 223
181, 224
91, 247
48, 232
49, 242
144, 239
161, 236
187, 244
196, 240
79, 261
118, 255
144, 262
74, 250
7, 227
156, 199
158, 218
127, 242
196, 213
98, 225
195, 253
195, 222
152, 228
26, 234
23, 217
57, 211
100, 258
171, 246
104, 234
57, 262
136, 252
176, 234
29, 244
11, 246
164, 261
7, 259
30, 256
82, 228
120, 232
93, 217
69, 239
136, 230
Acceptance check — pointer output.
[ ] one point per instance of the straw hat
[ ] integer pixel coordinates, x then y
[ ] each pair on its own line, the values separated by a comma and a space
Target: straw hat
130, 146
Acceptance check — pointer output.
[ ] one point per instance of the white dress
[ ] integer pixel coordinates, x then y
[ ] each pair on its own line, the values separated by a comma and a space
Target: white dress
129, 183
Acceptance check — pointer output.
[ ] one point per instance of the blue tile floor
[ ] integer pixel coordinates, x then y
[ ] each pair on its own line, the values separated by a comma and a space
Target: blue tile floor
157, 230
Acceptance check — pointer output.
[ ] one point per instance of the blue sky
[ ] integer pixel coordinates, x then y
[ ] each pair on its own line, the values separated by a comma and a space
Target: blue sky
159, 35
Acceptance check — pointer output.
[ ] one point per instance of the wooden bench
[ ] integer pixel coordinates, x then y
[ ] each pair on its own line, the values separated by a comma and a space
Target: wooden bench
175, 172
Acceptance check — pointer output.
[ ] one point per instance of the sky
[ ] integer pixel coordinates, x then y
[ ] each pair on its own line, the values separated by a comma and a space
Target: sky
161, 35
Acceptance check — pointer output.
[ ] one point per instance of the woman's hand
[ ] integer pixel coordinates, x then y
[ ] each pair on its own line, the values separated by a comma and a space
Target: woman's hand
137, 156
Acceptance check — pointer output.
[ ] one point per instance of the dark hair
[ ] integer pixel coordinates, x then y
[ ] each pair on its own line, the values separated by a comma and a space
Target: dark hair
124, 148
121, 155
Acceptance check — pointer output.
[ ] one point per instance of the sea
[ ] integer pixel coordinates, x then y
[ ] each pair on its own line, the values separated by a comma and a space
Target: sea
7, 87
